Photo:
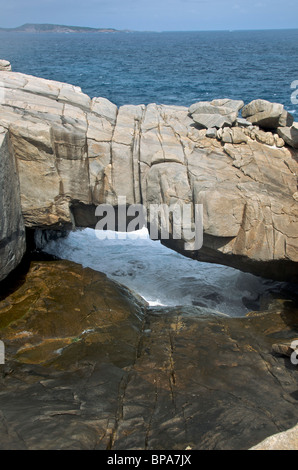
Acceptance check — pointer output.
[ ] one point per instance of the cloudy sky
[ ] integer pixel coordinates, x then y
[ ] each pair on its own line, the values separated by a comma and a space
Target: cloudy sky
155, 15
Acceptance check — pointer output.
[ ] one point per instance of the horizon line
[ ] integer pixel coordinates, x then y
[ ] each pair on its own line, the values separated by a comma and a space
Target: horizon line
113, 29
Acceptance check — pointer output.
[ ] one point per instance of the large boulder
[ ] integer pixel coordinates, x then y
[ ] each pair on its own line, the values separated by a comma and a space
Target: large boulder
5, 65
216, 113
289, 135
267, 115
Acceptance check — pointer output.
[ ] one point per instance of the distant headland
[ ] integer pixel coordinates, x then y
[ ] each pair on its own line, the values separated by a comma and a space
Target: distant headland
56, 28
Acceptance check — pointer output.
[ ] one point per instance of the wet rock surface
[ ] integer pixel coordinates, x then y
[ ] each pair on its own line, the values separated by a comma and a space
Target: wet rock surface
89, 366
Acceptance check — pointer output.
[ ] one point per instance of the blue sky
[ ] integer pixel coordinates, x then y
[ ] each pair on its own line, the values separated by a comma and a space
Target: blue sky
154, 15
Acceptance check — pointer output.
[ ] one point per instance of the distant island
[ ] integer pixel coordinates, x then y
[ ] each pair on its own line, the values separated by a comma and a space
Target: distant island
57, 28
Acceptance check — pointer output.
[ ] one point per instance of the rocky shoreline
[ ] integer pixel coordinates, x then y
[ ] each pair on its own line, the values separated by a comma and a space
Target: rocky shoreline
72, 153
88, 364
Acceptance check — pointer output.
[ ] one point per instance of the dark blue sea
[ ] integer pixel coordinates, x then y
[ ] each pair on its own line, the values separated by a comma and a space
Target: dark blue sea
170, 68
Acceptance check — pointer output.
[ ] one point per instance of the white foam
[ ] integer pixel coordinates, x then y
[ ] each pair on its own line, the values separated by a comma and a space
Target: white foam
161, 276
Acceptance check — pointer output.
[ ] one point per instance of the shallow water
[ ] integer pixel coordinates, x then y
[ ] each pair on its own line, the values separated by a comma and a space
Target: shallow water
162, 276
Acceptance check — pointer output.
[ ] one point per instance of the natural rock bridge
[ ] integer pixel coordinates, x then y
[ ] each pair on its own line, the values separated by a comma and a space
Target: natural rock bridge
63, 153
87, 364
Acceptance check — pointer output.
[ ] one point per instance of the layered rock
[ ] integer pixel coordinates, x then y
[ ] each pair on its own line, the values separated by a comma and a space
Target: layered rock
88, 367
267, 115
273, 116
216, 113
12, 230
289, 135
74, 153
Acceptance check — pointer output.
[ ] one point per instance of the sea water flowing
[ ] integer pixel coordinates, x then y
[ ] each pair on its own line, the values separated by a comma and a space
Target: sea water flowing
175, 68
162, 276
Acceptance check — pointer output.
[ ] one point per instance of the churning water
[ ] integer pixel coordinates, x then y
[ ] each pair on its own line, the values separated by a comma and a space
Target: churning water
162, 276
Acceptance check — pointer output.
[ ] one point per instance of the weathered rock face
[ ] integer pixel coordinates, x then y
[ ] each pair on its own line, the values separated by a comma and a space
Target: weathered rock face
74, 153
289, 135
12, 230
216, 113
287, 440
89, 367
5, 66
267, 115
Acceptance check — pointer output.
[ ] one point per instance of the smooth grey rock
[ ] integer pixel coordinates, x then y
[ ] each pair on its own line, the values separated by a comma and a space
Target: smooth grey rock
211, 133
220, 106
235, 105
12, 230
105, 109
289, 135
227, 136
216, 113
5, 65
207, 121
241, 122
286, 119
266, 114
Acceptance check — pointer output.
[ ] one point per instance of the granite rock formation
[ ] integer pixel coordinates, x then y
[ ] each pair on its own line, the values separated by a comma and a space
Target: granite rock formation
289, 135
287, 440
73, 153
88, 366
216, 113
267, 115
12, 229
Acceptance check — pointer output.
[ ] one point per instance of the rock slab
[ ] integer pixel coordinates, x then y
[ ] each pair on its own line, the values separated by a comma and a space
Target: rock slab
289, 135
12, 229
88, 366
267, 115
287, 440
216, 113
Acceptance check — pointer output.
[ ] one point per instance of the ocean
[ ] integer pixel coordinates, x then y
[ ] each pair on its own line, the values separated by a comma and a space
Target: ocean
176, 68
